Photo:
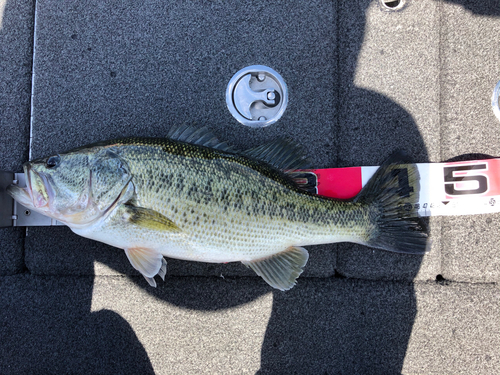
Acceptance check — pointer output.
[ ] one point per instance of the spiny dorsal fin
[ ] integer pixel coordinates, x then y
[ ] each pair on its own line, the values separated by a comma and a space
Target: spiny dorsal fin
197, 136
280, 153
282, 269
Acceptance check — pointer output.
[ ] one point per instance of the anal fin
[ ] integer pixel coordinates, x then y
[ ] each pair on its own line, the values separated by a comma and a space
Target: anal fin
148, 262
281, 270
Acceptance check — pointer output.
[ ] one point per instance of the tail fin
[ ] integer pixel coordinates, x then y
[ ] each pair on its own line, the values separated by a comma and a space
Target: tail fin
392, 193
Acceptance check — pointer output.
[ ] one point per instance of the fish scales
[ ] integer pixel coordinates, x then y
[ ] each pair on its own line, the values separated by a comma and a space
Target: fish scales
229, 202
192, 197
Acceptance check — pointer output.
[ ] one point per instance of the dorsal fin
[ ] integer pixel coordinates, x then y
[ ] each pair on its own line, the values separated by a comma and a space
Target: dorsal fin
304, 180
197, 136
283, 154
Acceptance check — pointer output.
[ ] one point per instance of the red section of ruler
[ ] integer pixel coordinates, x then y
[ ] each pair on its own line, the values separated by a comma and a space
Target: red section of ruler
341, 183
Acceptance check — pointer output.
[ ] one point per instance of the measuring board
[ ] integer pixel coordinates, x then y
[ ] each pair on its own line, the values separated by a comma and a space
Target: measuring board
453, 188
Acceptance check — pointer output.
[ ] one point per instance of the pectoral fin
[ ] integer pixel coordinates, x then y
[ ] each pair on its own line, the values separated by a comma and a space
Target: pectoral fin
282, 269
148, 262
147, 218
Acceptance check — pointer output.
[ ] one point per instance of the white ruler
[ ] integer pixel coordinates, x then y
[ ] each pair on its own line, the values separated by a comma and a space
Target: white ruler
454, 188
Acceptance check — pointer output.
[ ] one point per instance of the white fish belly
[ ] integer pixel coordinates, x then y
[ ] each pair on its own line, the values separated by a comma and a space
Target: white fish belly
218, 240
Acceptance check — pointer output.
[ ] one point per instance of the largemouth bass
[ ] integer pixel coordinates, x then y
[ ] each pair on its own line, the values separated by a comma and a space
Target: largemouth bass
190, 197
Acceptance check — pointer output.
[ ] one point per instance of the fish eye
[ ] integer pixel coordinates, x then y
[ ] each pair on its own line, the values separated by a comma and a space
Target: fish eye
53, 161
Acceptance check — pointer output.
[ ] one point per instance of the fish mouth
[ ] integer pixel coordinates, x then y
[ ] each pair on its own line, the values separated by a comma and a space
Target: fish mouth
38, 187
20, 195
